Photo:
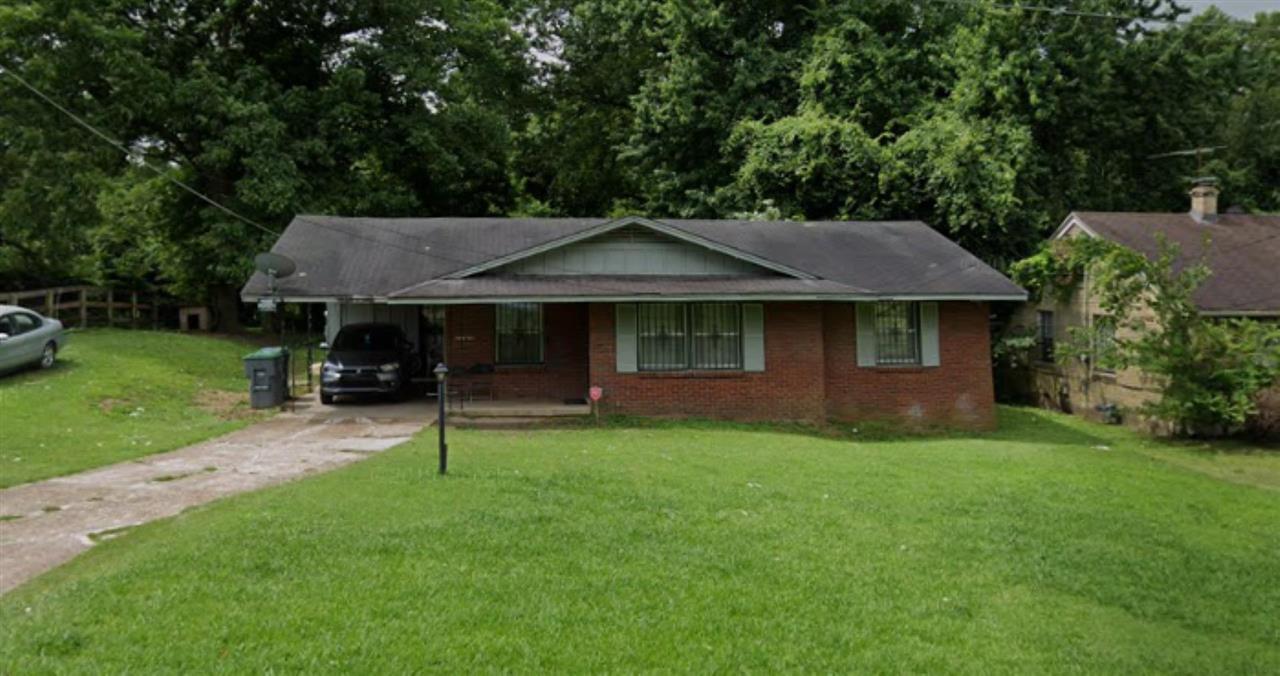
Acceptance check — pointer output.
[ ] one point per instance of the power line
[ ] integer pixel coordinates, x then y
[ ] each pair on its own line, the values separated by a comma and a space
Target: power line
122, 148
358, 235
350, 233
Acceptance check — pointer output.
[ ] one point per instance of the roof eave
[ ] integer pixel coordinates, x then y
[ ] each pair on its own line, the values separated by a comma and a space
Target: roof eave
739, 297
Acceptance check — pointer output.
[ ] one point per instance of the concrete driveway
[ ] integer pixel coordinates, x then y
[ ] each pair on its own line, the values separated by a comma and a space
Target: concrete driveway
56, 519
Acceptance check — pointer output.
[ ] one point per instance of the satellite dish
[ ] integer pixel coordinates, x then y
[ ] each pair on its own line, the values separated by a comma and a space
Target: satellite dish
274, 265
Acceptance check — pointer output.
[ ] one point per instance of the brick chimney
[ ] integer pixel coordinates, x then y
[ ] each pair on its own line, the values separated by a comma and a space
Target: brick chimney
1204, 199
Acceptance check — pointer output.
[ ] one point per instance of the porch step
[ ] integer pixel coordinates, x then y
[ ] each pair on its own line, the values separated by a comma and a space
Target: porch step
490, 422
485, 409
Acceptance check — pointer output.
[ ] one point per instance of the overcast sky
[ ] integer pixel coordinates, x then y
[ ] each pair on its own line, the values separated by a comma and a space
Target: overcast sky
1244, 9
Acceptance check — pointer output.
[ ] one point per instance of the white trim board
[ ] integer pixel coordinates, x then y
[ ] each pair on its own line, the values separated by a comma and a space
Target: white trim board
1073, 221
684, 298
482, 300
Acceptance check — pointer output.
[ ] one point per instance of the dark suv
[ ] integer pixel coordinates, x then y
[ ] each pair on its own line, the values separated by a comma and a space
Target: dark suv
367, 359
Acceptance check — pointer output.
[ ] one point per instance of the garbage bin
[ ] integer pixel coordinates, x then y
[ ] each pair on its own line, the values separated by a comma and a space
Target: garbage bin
267, 371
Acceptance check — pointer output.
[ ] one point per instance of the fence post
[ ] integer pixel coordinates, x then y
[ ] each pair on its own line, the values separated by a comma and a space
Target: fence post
133, 310
111, 308
51, 307
84, 307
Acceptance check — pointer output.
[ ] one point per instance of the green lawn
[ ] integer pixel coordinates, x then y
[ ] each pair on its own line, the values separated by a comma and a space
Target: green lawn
115, 395
1053, 545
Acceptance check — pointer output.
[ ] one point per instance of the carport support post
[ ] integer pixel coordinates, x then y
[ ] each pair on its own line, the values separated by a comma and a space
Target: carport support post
442, 372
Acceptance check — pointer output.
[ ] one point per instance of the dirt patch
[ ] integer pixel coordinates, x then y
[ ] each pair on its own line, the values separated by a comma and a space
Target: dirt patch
225, 405
109, 404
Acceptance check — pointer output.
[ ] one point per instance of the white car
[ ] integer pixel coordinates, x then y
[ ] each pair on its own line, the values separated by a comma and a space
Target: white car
26, 338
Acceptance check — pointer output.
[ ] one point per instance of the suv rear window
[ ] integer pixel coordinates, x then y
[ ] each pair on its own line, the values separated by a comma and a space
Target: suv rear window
368, 338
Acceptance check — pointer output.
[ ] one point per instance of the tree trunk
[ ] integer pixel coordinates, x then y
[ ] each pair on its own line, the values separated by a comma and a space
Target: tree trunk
224, 309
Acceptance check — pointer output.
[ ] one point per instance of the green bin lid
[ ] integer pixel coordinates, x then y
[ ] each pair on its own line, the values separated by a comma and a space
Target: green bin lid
267, 353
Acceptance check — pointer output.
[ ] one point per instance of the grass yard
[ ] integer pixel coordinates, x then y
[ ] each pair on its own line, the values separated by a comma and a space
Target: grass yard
116, 395
1054, 545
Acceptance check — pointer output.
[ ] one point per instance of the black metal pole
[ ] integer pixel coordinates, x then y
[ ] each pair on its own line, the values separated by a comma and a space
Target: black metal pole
444, 447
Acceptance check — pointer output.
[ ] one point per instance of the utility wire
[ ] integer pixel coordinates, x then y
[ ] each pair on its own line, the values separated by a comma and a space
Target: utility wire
358, 235
122, 148
350, 233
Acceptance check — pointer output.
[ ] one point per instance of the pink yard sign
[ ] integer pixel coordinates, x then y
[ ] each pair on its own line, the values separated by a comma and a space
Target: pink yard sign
595, 393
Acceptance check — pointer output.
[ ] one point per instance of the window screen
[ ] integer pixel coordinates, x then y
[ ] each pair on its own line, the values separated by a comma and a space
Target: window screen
897, 333
519, 333
661, 337
716, 335
1046, 335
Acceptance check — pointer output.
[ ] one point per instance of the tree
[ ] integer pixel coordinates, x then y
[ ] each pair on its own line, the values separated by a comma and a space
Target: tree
1210, 371
989, 120
272, 109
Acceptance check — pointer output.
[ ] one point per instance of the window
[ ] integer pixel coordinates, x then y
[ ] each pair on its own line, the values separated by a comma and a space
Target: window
1104, 345
716, 335
1045, 334
23, 322
661, 340
519, 333
369, 338
682, 336
897, 333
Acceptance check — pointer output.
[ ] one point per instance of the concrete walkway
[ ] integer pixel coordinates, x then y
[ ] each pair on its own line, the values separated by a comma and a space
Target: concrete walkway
59, 518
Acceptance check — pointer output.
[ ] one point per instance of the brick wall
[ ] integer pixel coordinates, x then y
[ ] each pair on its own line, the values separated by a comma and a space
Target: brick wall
811, 373
811, 370
790, 387
469, 340
958, 392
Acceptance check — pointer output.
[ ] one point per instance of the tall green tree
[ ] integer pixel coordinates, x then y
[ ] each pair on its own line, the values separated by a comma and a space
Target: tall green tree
989, 120
271, 108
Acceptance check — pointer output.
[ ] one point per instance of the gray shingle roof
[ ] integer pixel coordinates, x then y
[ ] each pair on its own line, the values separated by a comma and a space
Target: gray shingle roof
377, 257
1241, 250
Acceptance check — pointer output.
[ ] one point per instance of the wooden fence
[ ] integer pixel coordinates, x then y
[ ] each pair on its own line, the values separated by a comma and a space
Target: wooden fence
85, 305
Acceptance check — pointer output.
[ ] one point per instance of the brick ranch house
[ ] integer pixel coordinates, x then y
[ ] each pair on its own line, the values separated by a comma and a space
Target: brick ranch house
1242, 252
745, 320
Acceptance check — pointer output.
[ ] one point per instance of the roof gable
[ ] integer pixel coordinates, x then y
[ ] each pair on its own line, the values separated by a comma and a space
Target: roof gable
718, 255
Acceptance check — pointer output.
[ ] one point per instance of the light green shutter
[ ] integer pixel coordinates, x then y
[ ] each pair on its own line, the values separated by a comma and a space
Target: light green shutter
625, 331
866, 333
929, 354
752, 337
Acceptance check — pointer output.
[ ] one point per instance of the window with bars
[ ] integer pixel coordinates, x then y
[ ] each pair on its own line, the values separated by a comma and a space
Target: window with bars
1045, 334
683, 336
897, 333
518, 329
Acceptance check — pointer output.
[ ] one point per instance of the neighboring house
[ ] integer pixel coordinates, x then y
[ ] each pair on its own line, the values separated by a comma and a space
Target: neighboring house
1242, 252
729, 319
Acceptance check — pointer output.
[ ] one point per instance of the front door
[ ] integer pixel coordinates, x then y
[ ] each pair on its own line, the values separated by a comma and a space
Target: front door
431, 336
